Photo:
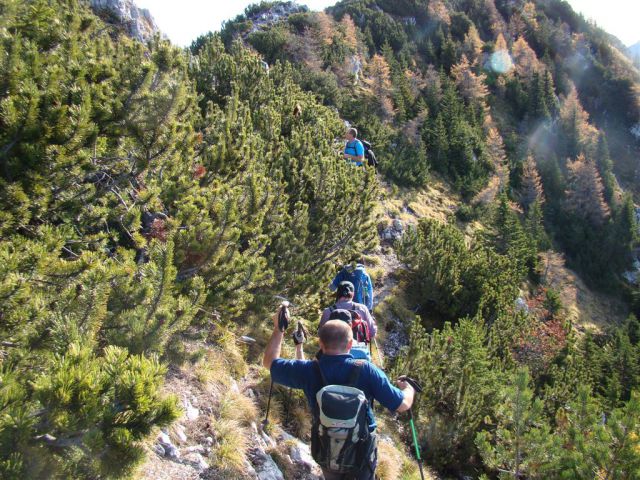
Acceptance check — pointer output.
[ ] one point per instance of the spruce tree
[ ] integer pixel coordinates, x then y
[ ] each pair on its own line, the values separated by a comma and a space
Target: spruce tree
531, 190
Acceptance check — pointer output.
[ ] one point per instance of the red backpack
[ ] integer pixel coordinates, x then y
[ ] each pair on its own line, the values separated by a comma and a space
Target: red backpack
360, 328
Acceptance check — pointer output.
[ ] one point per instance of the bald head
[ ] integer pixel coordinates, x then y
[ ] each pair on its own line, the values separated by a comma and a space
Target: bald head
335, 337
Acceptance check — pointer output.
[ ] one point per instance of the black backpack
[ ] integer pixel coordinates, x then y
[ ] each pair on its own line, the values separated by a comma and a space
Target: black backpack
369, 155
340, 437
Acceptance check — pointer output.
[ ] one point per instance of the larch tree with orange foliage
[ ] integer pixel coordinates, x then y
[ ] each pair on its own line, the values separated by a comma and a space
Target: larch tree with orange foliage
472, 45
580, 135
379, 82
585, 192
525, 59
470, 85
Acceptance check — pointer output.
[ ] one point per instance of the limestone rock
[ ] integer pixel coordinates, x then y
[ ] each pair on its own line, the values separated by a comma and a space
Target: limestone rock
197, 461
138, 22
265, 467
179, 433
159, 449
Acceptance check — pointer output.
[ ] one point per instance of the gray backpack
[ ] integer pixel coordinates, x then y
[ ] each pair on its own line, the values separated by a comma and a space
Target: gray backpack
340, 437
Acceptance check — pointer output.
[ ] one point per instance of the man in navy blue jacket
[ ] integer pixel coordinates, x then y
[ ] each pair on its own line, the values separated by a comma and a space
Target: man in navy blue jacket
336, 363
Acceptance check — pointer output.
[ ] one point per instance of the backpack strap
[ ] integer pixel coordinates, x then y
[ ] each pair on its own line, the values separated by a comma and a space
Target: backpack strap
323, 379
354, 375
333, 307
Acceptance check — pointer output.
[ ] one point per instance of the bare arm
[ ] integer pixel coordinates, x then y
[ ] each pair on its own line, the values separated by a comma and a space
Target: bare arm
300, 352
409, 393
274, 347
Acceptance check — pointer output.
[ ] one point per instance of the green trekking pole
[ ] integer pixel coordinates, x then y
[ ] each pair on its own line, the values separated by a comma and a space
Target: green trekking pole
416, 386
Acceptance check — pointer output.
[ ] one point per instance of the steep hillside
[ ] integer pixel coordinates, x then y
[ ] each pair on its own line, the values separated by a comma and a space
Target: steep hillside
157, 204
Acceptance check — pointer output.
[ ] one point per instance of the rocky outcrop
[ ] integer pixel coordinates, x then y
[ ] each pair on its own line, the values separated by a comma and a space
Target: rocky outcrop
393, 232
137, 22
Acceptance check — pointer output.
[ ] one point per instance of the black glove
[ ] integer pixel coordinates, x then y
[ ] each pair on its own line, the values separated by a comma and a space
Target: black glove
300, 335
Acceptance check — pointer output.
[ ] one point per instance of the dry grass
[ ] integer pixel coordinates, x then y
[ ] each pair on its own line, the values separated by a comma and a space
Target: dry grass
229, 452
587, 310
389, 462
239, 408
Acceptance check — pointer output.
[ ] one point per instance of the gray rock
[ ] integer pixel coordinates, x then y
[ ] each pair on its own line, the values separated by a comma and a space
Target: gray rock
398, 226
137, 21
163, 438
521, 305
179, 432
196, 449
265, 467
301, 453
390, 234
234, 387
270, 442
208, 441
191, 412
197, 461
159, 449
172, 451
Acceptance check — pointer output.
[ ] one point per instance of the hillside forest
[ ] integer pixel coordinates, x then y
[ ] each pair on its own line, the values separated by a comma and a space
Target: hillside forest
156, 201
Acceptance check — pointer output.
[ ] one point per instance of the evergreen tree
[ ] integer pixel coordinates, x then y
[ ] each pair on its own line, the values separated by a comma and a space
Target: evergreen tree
531, 190
522, 445
605, 168
455, 368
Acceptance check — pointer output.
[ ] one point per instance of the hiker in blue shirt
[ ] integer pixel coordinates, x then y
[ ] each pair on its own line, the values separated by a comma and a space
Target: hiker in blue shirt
336, 366
353, 149
358, 276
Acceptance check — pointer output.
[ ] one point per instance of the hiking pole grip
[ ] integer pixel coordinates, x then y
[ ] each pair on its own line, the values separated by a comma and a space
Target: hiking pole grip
411, 381
283, 316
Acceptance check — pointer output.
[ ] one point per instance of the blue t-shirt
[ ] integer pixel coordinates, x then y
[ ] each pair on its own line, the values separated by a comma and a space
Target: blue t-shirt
354, 148
372, 381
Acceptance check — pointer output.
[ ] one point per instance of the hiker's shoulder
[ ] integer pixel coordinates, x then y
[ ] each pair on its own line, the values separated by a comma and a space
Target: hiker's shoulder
360, 306
291, 364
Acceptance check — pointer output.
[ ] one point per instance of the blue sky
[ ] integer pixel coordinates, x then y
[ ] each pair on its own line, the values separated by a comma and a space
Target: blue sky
184, 20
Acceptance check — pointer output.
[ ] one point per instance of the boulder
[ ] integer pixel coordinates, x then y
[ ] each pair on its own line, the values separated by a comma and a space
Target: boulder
265, 467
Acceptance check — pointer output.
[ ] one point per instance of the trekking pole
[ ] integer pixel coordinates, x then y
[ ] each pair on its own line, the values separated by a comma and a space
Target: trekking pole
416, 386
283, 323
379, 354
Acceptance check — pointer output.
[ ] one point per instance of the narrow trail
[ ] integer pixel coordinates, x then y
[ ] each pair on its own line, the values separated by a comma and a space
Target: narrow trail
223, 410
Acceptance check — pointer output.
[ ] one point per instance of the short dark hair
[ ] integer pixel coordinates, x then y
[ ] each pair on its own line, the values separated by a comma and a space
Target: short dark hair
353, 132
345, 289
335, 335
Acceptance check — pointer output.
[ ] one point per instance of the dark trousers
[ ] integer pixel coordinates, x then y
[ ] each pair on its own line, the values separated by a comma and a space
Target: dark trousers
368, 473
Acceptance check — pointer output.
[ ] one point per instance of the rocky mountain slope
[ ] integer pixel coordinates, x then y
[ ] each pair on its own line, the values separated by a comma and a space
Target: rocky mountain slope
137, 22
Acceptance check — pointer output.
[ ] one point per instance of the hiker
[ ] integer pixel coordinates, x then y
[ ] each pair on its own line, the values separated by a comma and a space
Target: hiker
358, 276
336, 383
361, 346
345, 300
353, 149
